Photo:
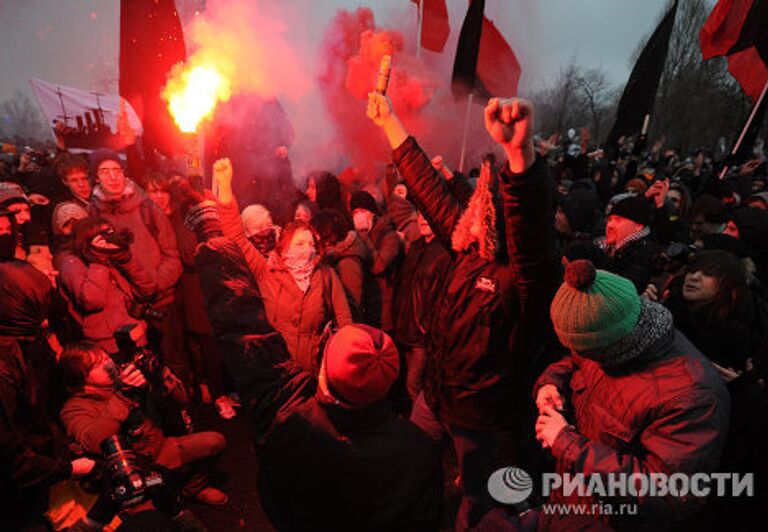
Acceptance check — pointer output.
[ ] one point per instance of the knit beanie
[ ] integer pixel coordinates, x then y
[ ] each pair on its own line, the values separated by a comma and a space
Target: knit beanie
256, 218
635, 208
99, 156
581, 208
363, 200
11, 193
593, 308
599, 316
360, 363
64, 213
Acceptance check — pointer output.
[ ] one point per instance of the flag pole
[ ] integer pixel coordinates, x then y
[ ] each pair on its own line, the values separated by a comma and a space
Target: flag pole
466, 131
420, 23
746, 127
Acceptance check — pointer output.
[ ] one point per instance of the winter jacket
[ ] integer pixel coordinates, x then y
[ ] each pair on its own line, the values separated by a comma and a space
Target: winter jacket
92, 416
188, 294
489, 312
665, 412
728, 342
101, 295
384, 472
154, 242
350, 258
637, 261
31, 457
419, 285
403, 215
386, 251
26, 296
300, 317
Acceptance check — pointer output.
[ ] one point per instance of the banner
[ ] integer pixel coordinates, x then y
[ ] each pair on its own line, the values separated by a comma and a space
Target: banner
91, 119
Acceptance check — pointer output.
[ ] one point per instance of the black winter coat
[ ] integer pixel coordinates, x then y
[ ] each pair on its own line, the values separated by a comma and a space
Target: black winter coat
637, 261
420, 284
322, 468
491, 314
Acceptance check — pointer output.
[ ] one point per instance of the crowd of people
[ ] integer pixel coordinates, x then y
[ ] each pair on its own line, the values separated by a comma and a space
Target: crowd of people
566, 309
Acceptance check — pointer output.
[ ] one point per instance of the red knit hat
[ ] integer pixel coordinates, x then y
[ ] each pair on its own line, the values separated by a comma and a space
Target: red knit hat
361, 363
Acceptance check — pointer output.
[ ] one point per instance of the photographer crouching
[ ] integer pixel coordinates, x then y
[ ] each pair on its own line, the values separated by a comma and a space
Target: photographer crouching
105, 415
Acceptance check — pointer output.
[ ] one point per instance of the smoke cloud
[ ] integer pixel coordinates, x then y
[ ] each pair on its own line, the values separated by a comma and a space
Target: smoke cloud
320, 69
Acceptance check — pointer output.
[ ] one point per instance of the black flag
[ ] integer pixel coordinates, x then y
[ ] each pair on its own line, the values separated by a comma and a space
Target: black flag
464, 78
640, 92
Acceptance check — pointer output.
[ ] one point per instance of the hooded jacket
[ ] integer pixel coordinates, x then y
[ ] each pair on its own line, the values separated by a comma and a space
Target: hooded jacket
386, 252
154, 241
491, 315
300, 317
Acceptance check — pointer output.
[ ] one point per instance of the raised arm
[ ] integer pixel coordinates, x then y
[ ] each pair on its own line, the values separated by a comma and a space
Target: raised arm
428, 190
231, 223
526, 193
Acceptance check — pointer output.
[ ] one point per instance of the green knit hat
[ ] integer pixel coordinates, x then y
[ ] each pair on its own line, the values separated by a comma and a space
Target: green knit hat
593, 308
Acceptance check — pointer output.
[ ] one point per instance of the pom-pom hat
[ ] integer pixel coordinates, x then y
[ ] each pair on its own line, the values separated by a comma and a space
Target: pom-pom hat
593, 308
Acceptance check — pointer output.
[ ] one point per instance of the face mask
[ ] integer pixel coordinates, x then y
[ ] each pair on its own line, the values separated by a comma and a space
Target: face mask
363, 221
264, 240
298, 257
7, 247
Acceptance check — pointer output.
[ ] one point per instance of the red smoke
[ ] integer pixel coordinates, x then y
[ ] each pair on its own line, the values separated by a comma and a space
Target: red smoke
352, 50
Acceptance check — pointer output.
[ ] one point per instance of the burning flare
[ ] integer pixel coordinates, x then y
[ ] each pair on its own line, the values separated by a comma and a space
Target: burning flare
192, 95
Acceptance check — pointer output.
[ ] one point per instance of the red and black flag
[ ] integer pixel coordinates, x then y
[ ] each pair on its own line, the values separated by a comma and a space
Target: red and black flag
485, 63
435, 25
151, 42
639, 94
738, 29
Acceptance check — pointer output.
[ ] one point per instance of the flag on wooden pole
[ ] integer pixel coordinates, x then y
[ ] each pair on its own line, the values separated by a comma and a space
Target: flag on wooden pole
639, 94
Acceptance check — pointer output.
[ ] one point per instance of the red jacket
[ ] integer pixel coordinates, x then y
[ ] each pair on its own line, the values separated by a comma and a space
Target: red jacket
666, 413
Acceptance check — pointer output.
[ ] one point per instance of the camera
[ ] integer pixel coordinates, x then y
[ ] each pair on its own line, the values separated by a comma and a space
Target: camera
143, 358
122, 238
675, 256
129, 481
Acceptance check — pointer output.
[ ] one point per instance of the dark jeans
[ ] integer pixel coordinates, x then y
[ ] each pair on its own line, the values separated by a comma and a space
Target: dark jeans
477, 453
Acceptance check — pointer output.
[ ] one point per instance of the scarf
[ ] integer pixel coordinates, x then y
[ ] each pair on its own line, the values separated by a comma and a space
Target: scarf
634, 237
654, 331
300, 265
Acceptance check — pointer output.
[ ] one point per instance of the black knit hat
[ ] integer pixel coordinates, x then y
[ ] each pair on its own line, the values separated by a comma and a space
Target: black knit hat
635, 208
99, 156
363, 200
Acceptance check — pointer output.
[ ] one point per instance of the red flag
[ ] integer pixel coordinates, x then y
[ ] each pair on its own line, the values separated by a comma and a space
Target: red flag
435, 26
736, 28
497, 65
151, 42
